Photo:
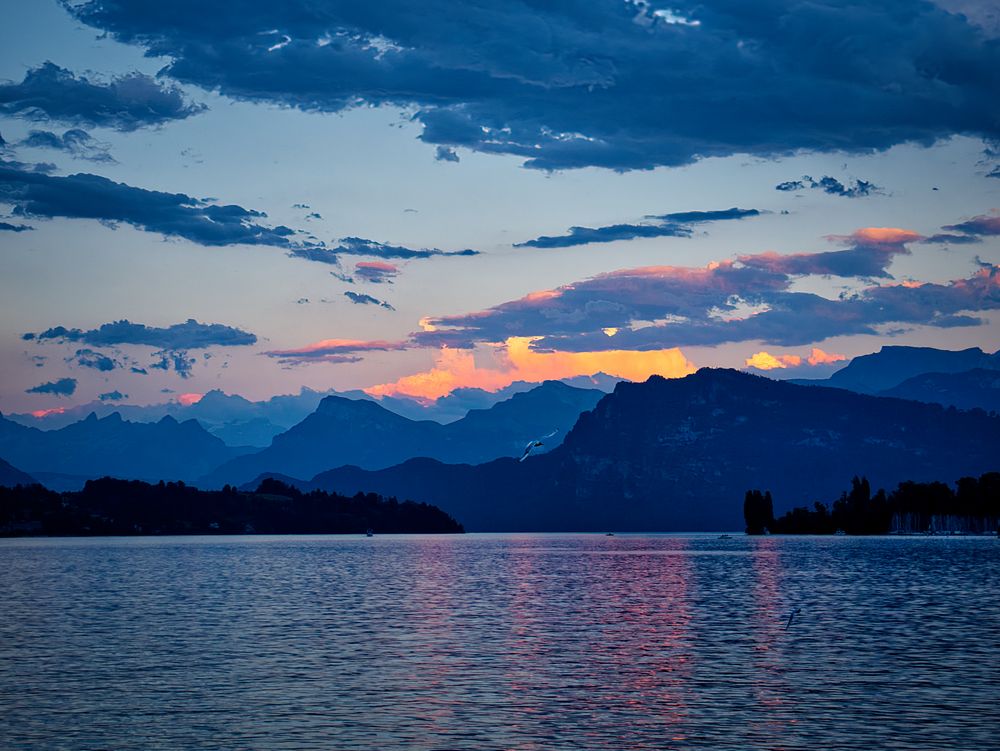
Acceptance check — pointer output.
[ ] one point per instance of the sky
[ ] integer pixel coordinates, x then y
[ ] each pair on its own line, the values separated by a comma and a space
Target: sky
412, 198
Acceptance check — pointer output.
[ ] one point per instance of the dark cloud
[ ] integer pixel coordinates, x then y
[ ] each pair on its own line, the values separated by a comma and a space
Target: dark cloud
749, 299
623, 85
62, 387
113, 396
75, 141
361, 299
869, 257
335, 351
358, 246
49, 92
444, 154
346, 278
666, 225
952, 239
86, 196
41, 168
833, 186
978, 226
88, 358
995, 172
178, 360
7, 227
33, 193
188, 335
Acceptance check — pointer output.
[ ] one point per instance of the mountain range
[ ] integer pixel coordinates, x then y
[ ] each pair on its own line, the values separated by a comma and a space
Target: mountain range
679, 455
971, 389
239, 421
890, 366
363, 433
94, 447
660, 455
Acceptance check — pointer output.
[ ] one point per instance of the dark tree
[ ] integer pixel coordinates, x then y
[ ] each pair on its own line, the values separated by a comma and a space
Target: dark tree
758, 512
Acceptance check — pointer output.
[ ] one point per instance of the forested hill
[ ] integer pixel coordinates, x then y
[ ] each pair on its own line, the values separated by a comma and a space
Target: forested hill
122, 507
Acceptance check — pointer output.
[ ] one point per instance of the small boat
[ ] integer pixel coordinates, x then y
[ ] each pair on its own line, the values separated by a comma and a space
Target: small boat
609, 534
840, 533
725, 537
369, 532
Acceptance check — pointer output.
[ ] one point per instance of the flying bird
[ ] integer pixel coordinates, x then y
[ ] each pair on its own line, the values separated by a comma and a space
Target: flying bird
791, 616
532, 445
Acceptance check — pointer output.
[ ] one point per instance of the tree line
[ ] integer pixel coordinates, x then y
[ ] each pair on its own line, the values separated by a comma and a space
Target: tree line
130, 507
973, 505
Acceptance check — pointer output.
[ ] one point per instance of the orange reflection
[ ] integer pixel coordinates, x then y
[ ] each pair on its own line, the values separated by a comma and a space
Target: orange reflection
769, 606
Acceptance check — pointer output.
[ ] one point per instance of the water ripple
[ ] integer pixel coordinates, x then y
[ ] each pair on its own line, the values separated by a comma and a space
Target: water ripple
524, 642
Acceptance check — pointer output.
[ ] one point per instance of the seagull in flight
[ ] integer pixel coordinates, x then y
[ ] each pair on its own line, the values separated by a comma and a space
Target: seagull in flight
532, 445
791, 616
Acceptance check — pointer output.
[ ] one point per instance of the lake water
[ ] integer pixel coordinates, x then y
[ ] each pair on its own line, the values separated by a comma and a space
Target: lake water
542, 642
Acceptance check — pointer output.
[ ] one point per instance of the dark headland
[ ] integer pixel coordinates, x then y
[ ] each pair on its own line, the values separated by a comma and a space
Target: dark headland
132, 507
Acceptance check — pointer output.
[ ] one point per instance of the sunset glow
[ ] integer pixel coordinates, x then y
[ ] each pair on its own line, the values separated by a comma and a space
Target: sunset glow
767, 361
456, 368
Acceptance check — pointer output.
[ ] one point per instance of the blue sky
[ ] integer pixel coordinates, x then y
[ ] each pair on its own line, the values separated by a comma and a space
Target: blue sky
216, 185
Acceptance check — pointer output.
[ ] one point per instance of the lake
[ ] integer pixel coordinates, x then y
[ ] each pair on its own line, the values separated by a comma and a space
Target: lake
543, 642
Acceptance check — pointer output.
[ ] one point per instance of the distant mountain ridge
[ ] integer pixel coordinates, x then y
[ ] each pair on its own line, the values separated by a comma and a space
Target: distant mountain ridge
891, 365
95, 447
970, 389
11, 476
239, 421
363, 433
233, 418
679, 455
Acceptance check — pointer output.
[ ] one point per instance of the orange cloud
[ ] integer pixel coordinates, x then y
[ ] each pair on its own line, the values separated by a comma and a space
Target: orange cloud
819, 357
377, 265
188, 399
885, 236
456, 368
46, 412
767, 361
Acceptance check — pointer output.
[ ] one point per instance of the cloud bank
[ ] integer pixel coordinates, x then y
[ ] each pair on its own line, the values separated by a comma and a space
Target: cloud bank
747, 299
188, 335
605, 83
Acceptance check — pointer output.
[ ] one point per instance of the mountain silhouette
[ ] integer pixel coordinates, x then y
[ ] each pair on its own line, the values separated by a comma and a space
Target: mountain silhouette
239, 421
233, 418
11, 476
96, 447
890, 366
977, 388
679, 454
363, 433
